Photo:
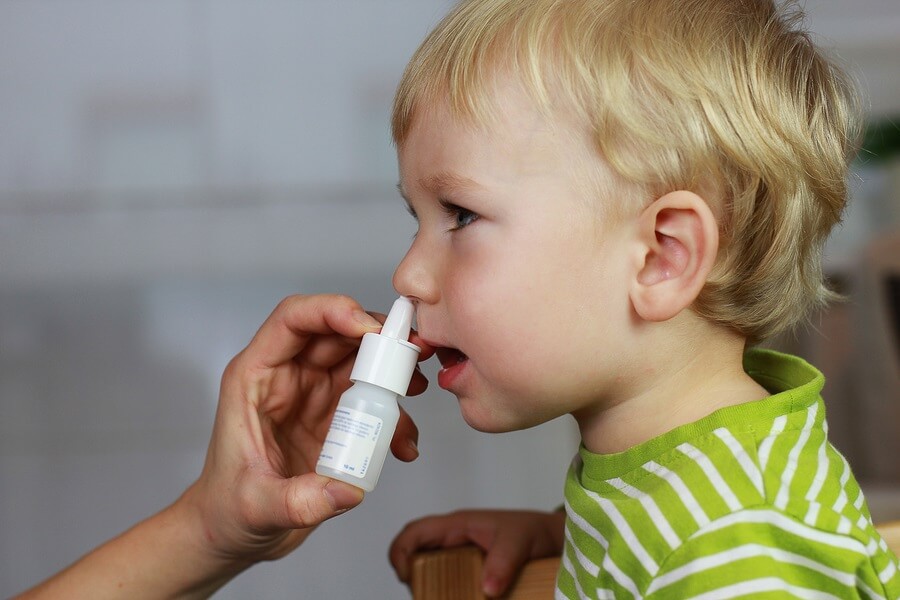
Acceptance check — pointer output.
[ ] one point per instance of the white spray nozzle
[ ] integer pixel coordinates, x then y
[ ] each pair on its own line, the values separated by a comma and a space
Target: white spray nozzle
387, 359
399, 319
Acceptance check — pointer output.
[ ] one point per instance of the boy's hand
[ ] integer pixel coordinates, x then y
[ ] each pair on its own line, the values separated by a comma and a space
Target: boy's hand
510, 538
258, 496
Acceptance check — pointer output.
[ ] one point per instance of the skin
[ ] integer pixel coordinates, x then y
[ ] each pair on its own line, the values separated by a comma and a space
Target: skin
487, 285
509, 537
258, 496
560, 305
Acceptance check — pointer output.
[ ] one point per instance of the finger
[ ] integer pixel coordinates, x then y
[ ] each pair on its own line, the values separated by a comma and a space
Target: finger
502, 564
404, 444
296, 318
418, 383
436, 531
327, 350
322, 351
305, 501
427, 351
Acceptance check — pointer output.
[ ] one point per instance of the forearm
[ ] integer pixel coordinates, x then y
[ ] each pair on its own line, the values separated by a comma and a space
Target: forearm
163, 557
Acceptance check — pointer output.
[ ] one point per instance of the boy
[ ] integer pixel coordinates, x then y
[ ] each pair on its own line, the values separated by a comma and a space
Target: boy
614, 200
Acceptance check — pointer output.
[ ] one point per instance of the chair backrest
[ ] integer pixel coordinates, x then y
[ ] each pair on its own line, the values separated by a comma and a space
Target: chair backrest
455, 573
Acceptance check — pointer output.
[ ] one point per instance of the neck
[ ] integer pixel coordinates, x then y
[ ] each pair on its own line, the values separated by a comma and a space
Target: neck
707, 377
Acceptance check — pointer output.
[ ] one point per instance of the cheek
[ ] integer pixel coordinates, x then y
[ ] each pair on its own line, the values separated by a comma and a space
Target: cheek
500, 299
477, 284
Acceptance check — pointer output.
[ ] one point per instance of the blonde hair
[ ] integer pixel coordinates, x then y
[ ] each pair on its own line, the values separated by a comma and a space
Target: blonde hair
728, 96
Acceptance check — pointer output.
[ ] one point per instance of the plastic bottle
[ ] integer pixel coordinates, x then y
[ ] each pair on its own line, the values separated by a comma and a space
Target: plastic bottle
363, 424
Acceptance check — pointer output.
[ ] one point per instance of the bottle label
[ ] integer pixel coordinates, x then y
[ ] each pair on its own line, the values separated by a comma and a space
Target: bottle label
351, 441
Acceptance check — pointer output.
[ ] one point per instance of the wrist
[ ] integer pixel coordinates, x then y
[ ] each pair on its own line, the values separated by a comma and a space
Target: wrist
201, 531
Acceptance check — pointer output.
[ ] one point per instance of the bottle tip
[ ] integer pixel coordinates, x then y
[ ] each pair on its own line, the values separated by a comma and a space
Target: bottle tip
399, 319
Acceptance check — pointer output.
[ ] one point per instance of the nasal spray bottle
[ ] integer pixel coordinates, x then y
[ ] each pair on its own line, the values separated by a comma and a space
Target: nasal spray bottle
367, 414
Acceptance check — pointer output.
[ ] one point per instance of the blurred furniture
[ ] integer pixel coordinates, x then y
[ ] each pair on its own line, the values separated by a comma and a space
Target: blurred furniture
455, 573
891, 534
876, 301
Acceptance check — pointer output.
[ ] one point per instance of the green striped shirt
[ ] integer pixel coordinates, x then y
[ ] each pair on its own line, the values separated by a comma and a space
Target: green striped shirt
751, 501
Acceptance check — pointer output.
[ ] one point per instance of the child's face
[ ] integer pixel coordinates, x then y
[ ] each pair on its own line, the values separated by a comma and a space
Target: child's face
518, 278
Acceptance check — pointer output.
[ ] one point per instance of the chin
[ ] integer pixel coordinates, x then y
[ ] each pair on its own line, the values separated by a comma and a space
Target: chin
486, 421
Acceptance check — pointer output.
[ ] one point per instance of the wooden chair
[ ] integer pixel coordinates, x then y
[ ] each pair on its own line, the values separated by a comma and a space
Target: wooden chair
455, 573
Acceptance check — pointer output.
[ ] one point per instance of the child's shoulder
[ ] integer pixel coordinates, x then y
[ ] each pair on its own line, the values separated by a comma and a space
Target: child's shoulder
769, 457
750, 497
746, 446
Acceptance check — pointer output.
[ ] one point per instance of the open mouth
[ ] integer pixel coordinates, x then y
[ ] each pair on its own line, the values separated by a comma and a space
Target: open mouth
453, 364
450, 357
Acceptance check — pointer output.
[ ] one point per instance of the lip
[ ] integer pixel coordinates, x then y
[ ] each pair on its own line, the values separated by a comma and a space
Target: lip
453, 365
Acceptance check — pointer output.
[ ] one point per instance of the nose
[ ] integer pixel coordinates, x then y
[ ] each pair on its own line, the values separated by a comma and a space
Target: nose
415, 276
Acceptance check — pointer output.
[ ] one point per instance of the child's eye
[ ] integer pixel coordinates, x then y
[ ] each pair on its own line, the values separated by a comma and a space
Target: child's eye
415, 217
460, 217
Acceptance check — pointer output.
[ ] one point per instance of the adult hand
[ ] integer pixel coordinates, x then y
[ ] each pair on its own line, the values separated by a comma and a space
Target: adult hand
259, 496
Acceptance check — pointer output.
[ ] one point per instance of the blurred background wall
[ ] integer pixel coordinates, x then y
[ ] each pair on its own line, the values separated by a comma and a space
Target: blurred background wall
169, 170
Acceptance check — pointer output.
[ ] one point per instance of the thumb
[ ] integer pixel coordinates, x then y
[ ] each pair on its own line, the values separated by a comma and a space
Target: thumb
342, 496
309, 499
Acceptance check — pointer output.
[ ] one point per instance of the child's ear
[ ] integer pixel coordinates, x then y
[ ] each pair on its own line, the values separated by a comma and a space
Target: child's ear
678, 239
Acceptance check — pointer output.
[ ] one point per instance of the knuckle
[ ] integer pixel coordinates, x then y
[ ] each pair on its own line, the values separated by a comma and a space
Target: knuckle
234, 368
345, 303
301, 509
240, 377
287, 303
342, 299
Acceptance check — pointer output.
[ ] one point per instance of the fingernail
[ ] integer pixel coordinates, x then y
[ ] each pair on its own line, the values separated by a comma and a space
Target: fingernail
413, 446
343, 496
366, 319
490, 587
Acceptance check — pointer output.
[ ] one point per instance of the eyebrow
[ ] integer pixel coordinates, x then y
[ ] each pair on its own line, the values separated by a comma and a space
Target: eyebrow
440, 183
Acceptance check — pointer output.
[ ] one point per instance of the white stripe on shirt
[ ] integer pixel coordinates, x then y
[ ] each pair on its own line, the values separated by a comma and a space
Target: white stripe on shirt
715, 478
790, 469
649, 504
681, 490
740, 454
765, 447
764, 584
746, 551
